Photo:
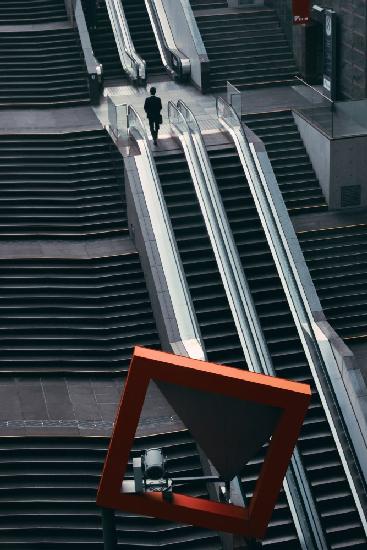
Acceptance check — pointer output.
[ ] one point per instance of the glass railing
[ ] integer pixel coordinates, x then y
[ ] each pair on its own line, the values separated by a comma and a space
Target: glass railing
273, 221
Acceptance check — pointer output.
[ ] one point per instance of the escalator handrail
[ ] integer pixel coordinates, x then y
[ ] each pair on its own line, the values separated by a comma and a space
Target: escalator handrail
296, 484
243, 309
164, 39
302, 313
132, 63
171, 262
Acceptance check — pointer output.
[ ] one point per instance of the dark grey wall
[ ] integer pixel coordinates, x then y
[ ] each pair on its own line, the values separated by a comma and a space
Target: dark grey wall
352, 65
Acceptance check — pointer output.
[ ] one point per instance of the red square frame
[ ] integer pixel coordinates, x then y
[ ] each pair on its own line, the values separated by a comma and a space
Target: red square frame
252, 521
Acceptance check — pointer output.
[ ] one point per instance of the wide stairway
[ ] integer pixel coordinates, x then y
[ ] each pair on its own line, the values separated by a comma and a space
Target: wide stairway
290, 161
73, 315
42, 68
104, 45
31, 12
328, 482
337, 260
142, 35
61, 185
48, 492
246, 48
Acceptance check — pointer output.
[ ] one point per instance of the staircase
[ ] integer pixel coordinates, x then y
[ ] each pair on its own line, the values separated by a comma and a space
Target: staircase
31, 12
208, 4
61, 185
246, 48
48, 492
290, 161
213, 313
328, 483
104, 45
337, 260
73, 315
142, 35
43, 68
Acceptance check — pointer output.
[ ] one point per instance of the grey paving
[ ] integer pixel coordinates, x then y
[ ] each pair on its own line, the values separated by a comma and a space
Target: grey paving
83, 249
75, 405
29, 121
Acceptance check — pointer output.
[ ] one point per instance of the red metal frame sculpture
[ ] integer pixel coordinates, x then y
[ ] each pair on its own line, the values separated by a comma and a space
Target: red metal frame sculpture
292, 398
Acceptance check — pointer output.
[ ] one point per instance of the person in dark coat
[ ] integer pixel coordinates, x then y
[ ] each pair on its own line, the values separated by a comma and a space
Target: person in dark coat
153, 108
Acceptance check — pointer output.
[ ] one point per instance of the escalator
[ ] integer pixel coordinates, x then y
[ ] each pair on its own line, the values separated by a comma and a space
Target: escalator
289, 159
330, 489
214, 316
142, 35
104, 45
48, 493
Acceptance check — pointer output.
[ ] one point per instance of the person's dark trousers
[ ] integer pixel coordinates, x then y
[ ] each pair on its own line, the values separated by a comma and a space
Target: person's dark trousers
154, 127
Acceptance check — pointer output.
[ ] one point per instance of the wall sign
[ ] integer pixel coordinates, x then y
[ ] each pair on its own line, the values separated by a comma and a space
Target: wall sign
329, 68
301, 12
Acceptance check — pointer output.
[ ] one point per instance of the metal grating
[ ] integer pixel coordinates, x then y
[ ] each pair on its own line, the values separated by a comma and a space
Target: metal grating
350, 196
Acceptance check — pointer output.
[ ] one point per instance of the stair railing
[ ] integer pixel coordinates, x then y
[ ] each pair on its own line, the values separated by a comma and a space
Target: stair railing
296, 282
132, 63
296, 486
174, 61
171, 263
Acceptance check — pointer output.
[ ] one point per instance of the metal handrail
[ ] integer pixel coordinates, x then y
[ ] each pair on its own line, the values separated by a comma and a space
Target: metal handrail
132, 63
166, 243
295, 484
298, 303
314, 89
243, 309
169, 53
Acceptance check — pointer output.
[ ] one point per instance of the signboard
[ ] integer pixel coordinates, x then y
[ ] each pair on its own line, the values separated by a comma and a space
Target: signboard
329, 65
301, 12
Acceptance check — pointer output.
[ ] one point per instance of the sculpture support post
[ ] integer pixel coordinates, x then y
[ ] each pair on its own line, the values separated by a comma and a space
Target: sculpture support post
109, 529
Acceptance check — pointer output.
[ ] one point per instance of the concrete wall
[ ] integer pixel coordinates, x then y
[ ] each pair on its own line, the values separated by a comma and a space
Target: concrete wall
187, 37
337, 163
318, 148
352, 66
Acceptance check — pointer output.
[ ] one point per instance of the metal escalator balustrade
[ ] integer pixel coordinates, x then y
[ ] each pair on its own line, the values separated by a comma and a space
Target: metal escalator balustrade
48, 491
212, 310
61, 315
104, 45
290, 161
142, 34
296, 484
334, 489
